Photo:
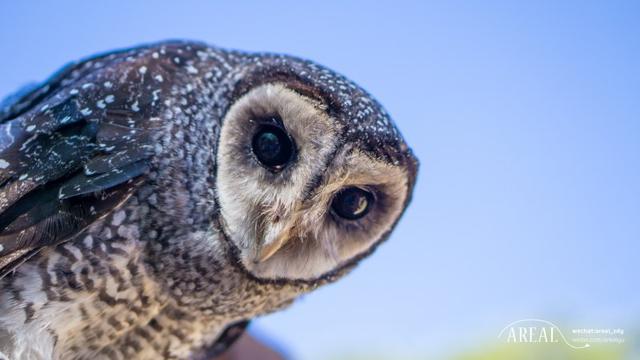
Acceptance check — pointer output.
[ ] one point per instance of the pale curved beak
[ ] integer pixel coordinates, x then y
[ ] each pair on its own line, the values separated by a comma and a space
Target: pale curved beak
270, 246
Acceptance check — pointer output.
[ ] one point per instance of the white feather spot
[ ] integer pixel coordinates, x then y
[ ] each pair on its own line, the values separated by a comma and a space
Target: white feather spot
118, 218
3, 164
88, 241
30, 128
192, 70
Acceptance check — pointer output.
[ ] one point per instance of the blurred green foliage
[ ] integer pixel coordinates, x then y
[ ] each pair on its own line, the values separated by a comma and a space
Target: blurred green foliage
522, 352
546, 352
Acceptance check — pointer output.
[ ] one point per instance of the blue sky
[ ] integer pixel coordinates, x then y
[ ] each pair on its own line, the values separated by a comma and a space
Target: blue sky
525, 116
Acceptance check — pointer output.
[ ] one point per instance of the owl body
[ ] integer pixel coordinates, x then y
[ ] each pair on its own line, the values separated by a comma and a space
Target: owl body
153, 197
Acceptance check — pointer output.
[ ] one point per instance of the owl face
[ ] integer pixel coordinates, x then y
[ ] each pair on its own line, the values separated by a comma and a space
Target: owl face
302, 189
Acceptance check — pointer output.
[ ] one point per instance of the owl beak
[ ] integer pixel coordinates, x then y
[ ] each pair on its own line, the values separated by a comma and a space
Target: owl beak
269, 248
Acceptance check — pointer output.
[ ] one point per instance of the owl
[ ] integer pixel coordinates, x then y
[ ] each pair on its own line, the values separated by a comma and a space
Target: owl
154, 200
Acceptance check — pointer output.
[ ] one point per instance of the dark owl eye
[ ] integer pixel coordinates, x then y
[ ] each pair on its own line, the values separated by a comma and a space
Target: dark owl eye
272, 146
352, 203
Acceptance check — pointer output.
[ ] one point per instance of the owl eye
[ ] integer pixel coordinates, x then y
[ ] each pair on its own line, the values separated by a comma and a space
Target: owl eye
352, 203
273, 147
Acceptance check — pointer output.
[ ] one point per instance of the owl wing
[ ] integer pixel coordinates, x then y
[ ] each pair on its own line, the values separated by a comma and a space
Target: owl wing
30, 94
64, 163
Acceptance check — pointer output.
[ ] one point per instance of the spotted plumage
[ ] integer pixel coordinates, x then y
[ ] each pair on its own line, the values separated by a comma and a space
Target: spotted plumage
153, 197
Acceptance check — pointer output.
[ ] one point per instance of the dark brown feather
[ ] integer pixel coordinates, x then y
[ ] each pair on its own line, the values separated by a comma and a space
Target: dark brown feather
64, 163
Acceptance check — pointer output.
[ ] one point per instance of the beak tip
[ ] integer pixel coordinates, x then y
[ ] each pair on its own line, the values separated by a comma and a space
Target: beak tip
267, 251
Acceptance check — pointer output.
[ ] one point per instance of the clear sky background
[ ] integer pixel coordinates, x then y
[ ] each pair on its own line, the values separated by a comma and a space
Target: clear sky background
525, 116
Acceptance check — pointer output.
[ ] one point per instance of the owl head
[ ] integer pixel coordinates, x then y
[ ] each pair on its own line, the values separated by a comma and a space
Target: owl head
311, 174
